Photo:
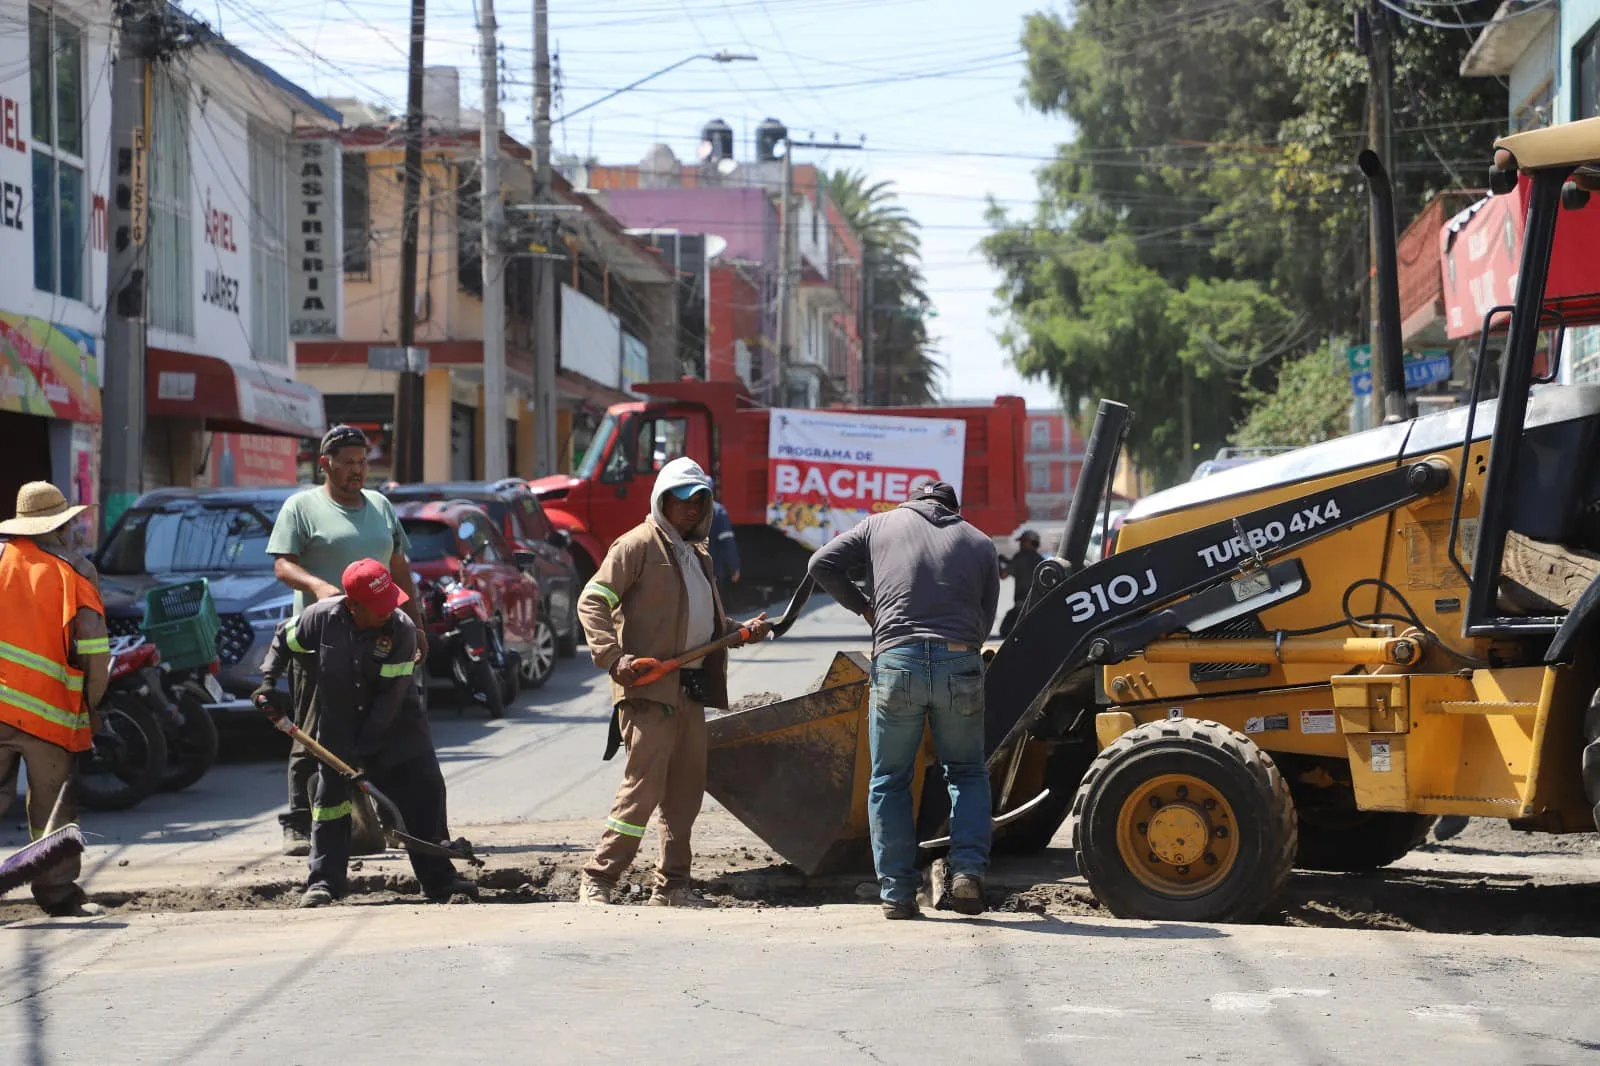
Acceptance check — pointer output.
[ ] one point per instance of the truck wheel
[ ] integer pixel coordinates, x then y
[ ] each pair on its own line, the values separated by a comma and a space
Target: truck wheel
1358, 841
1184, 820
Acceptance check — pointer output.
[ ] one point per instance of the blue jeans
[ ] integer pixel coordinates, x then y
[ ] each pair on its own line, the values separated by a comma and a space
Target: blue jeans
912, 684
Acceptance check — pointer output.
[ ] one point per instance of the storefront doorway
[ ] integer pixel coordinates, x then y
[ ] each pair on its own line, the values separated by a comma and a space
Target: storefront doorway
25, 446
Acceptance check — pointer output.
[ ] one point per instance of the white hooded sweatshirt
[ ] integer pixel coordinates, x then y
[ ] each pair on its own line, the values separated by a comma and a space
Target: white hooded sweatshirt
702, 611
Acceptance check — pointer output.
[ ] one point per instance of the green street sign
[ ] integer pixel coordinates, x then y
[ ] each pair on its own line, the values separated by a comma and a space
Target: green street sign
1359, 357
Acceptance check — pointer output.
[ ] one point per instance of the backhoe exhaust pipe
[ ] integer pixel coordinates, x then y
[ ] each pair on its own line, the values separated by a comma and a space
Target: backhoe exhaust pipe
1390, 357
1094, 481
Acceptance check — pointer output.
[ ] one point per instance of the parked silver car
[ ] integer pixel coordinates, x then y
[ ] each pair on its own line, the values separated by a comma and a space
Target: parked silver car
220, 534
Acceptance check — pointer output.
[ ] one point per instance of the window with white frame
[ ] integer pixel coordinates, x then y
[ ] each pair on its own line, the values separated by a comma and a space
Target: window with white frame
269, 264
1038, 477
60, 211
1040, 431
169, 253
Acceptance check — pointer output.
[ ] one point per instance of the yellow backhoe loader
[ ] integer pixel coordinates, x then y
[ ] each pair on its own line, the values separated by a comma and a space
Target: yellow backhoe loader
1299, 662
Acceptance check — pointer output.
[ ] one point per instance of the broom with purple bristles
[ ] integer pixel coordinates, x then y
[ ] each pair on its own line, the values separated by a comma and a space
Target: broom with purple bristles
37, 859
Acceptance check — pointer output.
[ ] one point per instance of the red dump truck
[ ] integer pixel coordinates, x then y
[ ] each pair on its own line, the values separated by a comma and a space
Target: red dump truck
719, 426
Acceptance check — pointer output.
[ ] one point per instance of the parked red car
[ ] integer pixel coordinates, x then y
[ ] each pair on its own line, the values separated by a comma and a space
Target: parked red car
458, 539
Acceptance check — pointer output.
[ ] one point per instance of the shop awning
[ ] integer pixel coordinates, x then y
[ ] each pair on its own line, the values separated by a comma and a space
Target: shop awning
229, 397
1481, 255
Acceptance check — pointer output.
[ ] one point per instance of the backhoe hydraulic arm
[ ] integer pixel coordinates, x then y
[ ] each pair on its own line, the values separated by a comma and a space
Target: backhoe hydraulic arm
1058, 636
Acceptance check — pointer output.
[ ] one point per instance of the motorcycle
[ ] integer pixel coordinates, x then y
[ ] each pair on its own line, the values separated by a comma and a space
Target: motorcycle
127, 757
460, 631
155, 734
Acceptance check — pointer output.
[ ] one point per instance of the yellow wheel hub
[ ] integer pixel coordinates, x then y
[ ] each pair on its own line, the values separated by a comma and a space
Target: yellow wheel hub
1177, 835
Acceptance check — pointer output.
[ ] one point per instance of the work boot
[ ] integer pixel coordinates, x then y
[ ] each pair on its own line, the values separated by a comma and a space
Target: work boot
593, 890
674, 896
296, 841
966, 894
456, 886
316, 896
75, 908
900, 910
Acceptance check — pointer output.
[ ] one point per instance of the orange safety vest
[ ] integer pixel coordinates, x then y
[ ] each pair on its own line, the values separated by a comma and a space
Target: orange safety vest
41, 692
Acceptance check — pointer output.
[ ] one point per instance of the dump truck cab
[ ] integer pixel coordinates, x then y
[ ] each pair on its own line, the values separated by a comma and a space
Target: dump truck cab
601, 500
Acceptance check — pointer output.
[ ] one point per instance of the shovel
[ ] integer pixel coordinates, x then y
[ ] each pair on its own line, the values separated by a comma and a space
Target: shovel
656, 669
396, 833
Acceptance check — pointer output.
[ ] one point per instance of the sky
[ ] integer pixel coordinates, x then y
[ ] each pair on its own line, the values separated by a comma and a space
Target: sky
932, 86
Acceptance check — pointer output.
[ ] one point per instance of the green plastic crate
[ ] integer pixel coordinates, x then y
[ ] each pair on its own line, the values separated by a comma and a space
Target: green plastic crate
182, 622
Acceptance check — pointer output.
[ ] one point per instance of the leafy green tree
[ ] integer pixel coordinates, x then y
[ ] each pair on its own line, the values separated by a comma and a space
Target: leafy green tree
1211, 185
905, 369
1310, 402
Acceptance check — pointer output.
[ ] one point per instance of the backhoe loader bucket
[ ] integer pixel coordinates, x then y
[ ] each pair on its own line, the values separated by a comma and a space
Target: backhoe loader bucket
796, 772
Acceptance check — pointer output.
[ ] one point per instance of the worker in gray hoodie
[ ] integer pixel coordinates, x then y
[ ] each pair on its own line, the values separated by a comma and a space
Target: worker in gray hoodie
935, 584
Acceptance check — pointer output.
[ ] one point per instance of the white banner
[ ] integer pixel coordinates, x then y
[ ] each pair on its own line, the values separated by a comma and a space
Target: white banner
828, 470
591, 339
316, 237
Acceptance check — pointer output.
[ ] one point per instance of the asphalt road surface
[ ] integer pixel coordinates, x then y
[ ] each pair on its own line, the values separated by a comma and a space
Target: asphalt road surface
556, 983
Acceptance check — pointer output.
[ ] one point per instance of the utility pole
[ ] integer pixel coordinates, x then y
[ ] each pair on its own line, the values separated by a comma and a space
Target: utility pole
491, 256
408, 402
785, 269
1379, 87
544, 282
122, 441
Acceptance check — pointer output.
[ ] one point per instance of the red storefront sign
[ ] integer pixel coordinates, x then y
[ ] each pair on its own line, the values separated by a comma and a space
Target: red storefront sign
246, 459
1481, 253
1480, 249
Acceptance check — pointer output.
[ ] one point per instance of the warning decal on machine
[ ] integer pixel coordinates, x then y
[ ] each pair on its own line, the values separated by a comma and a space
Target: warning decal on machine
1317, 722
1266, 724
1380, 757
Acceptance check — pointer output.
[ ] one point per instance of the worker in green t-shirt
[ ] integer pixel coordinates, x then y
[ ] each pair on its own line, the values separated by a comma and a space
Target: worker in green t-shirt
318, 533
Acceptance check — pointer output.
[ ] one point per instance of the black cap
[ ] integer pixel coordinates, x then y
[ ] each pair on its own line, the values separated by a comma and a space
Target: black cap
342, 436
938, 490
1027, 534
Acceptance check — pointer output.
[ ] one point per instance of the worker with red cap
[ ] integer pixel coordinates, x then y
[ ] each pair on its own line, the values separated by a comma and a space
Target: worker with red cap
357, 653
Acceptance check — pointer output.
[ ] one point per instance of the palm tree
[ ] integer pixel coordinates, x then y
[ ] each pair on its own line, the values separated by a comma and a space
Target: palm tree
905, 369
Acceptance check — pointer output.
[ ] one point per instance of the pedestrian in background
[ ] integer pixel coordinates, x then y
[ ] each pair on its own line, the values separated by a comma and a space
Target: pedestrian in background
724, 548
357, 654
55, 659
655, 596
1020, 568
935, 584
317, 534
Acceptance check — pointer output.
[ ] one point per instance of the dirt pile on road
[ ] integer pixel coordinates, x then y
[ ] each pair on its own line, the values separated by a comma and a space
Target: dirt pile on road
1474, 883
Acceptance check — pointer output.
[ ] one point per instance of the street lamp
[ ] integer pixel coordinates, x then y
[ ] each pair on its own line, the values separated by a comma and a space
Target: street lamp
715, 57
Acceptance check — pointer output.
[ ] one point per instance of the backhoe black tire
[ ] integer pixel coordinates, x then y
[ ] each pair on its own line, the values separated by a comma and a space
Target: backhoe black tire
1358, 841
1591, 756
1187, 770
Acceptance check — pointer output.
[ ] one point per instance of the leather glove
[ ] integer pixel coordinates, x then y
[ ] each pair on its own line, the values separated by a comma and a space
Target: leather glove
267, 700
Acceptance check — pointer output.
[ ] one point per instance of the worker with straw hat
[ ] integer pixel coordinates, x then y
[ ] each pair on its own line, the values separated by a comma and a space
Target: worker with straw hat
54, 660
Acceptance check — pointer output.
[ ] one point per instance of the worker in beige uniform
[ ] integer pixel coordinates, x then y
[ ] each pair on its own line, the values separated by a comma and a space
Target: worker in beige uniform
54, 661
654, 596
